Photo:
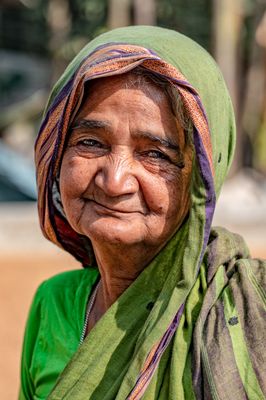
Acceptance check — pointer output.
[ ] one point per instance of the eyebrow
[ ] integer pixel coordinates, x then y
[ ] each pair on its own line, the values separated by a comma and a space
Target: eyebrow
157, 139
90, 124
97, 124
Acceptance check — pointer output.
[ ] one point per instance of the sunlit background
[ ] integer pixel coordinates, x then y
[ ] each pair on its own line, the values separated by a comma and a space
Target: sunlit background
37, 40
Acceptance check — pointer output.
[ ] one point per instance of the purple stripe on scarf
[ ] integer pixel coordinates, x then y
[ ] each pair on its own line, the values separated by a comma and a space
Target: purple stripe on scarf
124, 54
106, 45
187, 85
168, 334
148, 373
137, 53
201, 107
44, 142
64, 92
209, 186
60, 96
59, 137
179, 82
115, 56
115, 72
100, 47
109, 44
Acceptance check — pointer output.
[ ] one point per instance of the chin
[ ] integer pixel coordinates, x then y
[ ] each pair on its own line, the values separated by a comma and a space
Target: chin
116, 233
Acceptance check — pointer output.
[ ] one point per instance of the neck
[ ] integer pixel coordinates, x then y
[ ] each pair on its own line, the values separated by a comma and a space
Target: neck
118, 267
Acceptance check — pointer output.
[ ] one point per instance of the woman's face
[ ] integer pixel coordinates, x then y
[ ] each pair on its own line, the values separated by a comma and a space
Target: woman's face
125, 173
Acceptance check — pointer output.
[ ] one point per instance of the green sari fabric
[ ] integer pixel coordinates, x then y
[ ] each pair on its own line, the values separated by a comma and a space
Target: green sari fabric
204, 333
57, 316
53, 330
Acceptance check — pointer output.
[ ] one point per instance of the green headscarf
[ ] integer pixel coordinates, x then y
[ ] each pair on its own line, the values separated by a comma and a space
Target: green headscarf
134, 351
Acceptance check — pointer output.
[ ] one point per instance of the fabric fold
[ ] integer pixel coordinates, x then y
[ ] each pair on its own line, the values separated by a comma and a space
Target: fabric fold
169, 351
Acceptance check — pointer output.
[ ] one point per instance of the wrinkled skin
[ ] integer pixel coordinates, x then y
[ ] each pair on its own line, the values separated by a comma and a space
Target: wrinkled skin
125, 175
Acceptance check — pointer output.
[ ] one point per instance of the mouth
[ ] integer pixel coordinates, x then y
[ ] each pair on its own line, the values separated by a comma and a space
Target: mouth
111, 210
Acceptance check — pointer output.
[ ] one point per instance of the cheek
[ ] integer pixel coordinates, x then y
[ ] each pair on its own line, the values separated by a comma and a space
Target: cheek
163, 193
174, 195
75, 177
73, 182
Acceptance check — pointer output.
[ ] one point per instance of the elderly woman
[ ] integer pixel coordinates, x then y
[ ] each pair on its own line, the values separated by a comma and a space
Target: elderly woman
135, 144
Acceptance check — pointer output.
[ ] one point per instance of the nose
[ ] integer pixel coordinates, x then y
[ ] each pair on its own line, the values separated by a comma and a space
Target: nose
117, 176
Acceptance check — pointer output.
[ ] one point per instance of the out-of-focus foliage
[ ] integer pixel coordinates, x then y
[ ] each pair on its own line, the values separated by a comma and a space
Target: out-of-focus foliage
193, 18
88, 17
23, 27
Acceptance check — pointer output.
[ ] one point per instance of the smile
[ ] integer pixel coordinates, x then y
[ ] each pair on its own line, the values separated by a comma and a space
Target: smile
105, 209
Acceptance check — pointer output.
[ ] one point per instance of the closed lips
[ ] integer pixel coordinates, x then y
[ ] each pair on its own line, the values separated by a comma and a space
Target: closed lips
125, 210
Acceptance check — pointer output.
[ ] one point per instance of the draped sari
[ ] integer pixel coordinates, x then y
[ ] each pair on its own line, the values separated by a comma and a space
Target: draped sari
204, 335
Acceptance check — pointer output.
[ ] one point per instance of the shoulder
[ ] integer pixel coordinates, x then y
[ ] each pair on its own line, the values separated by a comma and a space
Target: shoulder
67, 282
235, 281
230, 250
67, 278
256, 273
232, 323
61, 300
62, 295
53, 329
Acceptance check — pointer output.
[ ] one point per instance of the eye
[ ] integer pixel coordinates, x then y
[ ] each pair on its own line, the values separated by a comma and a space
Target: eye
156, 154
90, 143
160, 157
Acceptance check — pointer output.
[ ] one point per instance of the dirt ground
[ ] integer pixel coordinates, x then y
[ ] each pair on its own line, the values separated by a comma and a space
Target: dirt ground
20, 276
26, 259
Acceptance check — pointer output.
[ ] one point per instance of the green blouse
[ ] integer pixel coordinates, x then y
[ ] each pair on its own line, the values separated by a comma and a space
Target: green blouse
53, 330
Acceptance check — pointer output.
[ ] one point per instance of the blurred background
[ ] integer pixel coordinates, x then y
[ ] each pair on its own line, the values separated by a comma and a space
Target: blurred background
37, 40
